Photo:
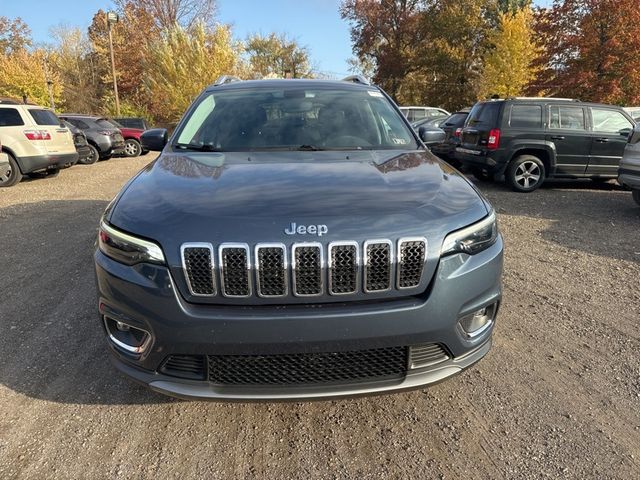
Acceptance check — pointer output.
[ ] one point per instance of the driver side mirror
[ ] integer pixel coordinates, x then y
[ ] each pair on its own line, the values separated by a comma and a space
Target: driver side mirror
625, 132
155, 139
432, 135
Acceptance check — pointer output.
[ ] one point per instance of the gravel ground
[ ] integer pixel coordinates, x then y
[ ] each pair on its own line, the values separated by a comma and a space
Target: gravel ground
558, 396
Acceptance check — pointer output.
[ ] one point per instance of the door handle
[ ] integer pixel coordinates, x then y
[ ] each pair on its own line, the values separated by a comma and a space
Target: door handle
558, 137
602, 140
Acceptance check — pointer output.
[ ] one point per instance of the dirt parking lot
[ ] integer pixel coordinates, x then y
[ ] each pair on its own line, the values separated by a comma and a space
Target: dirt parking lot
558, 396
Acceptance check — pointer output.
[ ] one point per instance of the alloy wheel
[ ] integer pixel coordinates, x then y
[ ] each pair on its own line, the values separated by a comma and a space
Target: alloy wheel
5, 173
528, 174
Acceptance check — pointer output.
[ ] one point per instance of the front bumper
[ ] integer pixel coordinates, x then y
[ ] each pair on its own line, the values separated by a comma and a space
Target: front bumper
145, 296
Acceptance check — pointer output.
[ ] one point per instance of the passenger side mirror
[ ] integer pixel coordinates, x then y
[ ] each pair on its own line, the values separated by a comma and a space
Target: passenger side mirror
154, 139
625, 132
432, 135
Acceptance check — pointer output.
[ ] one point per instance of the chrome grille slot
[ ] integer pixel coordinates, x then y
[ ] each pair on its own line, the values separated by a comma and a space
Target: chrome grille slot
234, 270
199, 268
307, 262
344, 262
426, 355
378, 257
271, 270
411, 256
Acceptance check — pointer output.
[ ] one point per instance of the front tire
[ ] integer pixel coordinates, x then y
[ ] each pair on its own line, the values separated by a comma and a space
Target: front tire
636, 196
525, 173
11, 174
132, 148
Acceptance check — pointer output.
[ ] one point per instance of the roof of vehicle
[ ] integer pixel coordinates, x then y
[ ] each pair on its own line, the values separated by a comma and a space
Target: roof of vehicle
82, 115
550, 100
279, 83
421, 106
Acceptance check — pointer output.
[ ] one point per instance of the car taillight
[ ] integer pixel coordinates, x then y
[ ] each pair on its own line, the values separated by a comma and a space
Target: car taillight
494, 139
458, 132
37, 135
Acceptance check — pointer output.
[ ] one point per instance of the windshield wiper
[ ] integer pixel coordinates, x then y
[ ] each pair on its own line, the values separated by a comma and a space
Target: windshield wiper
198, 148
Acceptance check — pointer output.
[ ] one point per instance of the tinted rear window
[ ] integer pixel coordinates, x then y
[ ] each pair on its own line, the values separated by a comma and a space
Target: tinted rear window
44, 117
104, 123
10, 117
526, 116
485, 114
456, 120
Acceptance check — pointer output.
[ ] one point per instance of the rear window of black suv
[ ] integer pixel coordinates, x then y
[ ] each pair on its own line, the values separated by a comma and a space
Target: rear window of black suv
485, 114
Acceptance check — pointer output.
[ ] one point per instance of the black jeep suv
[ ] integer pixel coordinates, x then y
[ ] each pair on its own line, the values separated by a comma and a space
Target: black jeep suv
527, 140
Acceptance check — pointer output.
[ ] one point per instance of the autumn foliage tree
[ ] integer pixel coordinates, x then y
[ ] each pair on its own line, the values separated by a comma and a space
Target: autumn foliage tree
276, 55
591, 50
509, 67
23, 75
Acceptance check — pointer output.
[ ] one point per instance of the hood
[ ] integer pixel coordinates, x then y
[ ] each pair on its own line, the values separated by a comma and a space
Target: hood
254, 196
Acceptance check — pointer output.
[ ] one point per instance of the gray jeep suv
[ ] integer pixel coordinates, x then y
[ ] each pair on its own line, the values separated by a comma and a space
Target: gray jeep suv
296, 239
629, 173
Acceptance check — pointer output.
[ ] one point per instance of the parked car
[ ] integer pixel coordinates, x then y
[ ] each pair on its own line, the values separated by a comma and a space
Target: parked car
452, 127
629, 173
209, 261
528, 140
429, 122
34, 140
105, 140
133, 122
414, 114
132, 147
80, 142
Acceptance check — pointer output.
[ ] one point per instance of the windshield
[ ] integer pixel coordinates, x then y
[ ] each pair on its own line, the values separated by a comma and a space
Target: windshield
294, 119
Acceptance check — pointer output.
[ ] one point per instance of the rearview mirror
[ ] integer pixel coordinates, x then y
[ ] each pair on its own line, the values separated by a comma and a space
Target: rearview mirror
432, 135
154, 139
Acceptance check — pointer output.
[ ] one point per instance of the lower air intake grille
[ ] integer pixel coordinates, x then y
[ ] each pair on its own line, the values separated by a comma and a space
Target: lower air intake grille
377, 270
185, 366
426, 355
411, 254
308, 368
198, 265
234, 265
307, 269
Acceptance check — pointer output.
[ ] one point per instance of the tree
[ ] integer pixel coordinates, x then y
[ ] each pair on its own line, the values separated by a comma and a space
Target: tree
15, 35
512, 6
386, 34
168, 13
509, 66
277, 56
591, 50
183, 62
22, 74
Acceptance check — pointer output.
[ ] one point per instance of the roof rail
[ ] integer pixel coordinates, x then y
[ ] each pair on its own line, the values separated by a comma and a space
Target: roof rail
356, 79
545, 98
225, 79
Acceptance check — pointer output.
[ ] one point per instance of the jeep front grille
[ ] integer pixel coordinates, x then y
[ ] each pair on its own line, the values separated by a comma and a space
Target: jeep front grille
199, 267
235, 269
350, 268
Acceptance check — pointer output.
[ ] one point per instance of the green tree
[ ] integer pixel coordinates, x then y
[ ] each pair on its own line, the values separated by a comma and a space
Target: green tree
183, 62
509, 67
277, 56
15, 35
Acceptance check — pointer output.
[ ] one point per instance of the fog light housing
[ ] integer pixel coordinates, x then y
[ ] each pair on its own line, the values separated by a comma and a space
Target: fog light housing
125, 337
475, 324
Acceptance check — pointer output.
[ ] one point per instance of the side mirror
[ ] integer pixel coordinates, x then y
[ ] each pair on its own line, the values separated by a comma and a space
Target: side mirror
154, 139
432, 135
625, 132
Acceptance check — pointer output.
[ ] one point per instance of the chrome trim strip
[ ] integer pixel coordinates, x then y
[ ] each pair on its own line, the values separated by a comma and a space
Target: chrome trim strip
245, 247
330, 248
399, 259
285, 259
294, 247
127, 348
366, 263
209, 247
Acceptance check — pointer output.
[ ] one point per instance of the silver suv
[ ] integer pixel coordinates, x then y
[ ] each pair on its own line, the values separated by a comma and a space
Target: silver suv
629, 173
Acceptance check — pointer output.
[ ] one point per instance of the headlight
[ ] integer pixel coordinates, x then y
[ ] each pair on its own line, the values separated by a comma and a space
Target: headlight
127, 249
472, 239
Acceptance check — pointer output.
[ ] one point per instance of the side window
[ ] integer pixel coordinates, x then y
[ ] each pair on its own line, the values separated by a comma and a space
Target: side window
567, 118
10, 117
609, 121
418, 114
526, 116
